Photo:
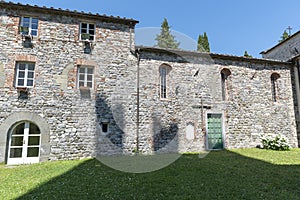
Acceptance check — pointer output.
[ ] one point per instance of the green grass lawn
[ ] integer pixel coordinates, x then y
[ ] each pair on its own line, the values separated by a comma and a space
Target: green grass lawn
235, 174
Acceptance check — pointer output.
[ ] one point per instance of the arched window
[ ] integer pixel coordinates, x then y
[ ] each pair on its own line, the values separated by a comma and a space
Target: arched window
274, 86
225, 73
24, 143
163, 73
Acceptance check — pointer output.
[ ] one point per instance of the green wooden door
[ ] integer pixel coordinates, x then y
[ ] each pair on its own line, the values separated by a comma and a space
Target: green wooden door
214, 131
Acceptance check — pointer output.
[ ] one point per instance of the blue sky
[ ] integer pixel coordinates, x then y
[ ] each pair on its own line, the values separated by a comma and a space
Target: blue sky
232, 26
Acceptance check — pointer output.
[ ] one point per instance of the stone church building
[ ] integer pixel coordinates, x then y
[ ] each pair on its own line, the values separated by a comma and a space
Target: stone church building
74, 85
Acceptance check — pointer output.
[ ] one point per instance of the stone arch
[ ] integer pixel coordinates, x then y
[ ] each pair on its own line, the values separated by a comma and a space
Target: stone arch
14, 118
226, 71
167, 66
275, 75
62, 79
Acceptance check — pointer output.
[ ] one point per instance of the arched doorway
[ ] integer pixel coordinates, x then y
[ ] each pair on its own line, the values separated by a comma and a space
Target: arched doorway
24, 143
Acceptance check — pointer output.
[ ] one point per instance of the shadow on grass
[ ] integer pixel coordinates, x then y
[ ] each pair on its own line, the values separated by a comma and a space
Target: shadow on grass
220, 175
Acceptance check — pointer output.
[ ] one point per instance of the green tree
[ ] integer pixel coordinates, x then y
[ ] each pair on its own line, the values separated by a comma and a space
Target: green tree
165, 39
284, 36
200, 43
203, 44
247, 55
206, 43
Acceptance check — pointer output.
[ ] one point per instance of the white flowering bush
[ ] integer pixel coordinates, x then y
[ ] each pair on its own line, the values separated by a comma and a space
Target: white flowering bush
277, 143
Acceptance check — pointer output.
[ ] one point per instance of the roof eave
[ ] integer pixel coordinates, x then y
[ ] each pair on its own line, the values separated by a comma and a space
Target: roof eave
212, 55
280, 43
69, 12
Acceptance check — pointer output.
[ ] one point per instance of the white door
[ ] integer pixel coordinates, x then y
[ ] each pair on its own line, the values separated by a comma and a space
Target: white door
24, 144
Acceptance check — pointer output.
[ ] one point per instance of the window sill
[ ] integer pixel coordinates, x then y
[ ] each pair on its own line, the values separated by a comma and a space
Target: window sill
89, 41
165, 99
23, 88
32, 37
84, 88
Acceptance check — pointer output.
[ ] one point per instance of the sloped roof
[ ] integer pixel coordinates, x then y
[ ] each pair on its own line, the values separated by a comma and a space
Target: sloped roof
75, 13
280, 43
212, 55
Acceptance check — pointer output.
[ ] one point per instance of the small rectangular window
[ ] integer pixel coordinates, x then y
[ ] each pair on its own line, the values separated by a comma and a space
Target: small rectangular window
29, 26
24, 74
104, 127
85, 76
87, 31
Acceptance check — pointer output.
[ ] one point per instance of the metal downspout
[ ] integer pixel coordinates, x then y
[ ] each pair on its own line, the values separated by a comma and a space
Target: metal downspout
138, 55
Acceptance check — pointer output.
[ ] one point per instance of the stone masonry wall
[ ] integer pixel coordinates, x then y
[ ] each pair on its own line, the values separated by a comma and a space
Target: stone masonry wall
73, 120
249, 112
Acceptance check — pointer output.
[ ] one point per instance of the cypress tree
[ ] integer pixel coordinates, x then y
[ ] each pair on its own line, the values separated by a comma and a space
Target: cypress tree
206, 43
200, 44
203, 44
165, 39
247, 55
